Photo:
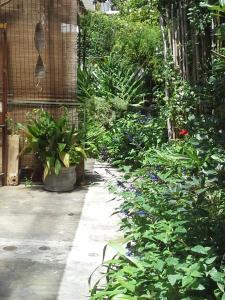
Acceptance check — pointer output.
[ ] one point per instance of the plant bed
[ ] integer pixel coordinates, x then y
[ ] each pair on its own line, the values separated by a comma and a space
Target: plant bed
173, 225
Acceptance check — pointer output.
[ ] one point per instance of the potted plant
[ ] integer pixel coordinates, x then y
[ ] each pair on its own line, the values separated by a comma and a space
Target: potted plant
54, 144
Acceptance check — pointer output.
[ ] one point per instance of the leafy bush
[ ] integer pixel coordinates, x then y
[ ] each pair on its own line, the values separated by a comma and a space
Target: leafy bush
128, 138
109, 88
173, 221
173, 210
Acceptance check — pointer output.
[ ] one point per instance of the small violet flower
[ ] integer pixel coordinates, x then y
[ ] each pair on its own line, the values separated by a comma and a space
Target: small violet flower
129, 252
153, 177
141, 213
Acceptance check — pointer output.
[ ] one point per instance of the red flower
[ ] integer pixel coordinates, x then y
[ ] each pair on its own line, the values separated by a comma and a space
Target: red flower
183, 132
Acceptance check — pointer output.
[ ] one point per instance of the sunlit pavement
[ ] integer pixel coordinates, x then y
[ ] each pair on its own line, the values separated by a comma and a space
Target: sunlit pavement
51, 242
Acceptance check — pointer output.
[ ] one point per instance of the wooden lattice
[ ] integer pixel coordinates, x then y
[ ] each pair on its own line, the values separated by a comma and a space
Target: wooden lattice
42, 57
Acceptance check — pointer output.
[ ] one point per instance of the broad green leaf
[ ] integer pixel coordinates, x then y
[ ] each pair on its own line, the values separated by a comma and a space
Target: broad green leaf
81, 151
198, 287
46, 172
49, 162
122, 297
217, 158
172, 261
174, 278
200, 249
58, 167
221, 287
217, 276
159, 265
187, 281
33, 130
119, 247
65, 158
210, 260
129, 285
61, 146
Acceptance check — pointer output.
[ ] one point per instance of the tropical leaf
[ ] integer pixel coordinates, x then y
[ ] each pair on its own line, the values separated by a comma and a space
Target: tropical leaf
65, 158
81, 151
61, 147
58, 167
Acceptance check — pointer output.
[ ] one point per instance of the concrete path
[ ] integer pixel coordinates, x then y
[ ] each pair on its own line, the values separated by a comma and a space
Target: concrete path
51, 242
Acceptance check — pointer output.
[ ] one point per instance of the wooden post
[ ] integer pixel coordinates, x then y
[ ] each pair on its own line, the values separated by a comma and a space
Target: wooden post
13, 161
3, 27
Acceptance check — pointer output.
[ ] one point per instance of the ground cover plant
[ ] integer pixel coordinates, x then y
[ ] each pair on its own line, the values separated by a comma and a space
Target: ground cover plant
173, 223
169, 141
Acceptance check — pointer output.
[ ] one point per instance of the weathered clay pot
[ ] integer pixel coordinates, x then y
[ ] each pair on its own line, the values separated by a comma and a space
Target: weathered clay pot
64, 182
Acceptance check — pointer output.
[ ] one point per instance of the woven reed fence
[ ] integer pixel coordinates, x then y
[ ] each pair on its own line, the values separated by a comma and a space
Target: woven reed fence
42, 58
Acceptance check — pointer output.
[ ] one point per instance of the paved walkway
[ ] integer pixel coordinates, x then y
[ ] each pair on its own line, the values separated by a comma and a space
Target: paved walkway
51, 242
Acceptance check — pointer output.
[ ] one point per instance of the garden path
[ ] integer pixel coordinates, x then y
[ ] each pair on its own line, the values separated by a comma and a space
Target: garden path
51, 242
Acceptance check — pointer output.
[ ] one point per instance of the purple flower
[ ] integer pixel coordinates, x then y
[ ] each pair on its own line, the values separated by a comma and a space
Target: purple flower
141, 213
153, 177
129, 252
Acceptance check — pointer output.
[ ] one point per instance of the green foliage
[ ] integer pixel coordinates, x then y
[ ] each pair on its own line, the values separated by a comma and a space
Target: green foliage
138, 10
94, 139
126, 141
98, 34
216, 81
52, 141
199, 17
181, 102
136, 43
173, 209
219, 6
173, 206
110, 88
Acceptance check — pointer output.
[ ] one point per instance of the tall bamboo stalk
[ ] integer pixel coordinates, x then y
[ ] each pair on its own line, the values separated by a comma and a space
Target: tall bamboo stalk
170, 126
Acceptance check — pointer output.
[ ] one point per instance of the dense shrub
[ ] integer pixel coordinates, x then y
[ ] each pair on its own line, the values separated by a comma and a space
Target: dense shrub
173, 213
127, 140
173, 221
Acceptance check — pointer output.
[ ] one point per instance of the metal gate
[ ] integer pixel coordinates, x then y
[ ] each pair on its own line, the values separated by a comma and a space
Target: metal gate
3, 102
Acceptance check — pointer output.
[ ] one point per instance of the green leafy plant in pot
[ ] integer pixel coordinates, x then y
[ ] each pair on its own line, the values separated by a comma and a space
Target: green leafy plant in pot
54, 143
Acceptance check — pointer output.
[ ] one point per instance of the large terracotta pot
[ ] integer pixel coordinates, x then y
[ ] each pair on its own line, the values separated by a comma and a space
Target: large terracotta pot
64, 182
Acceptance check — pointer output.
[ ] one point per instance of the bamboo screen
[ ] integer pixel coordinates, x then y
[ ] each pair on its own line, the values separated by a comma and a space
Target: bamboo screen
42, 56
42, 47
1, 72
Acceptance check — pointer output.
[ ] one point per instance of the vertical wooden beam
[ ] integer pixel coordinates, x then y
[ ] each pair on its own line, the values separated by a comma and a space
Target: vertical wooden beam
4, 105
